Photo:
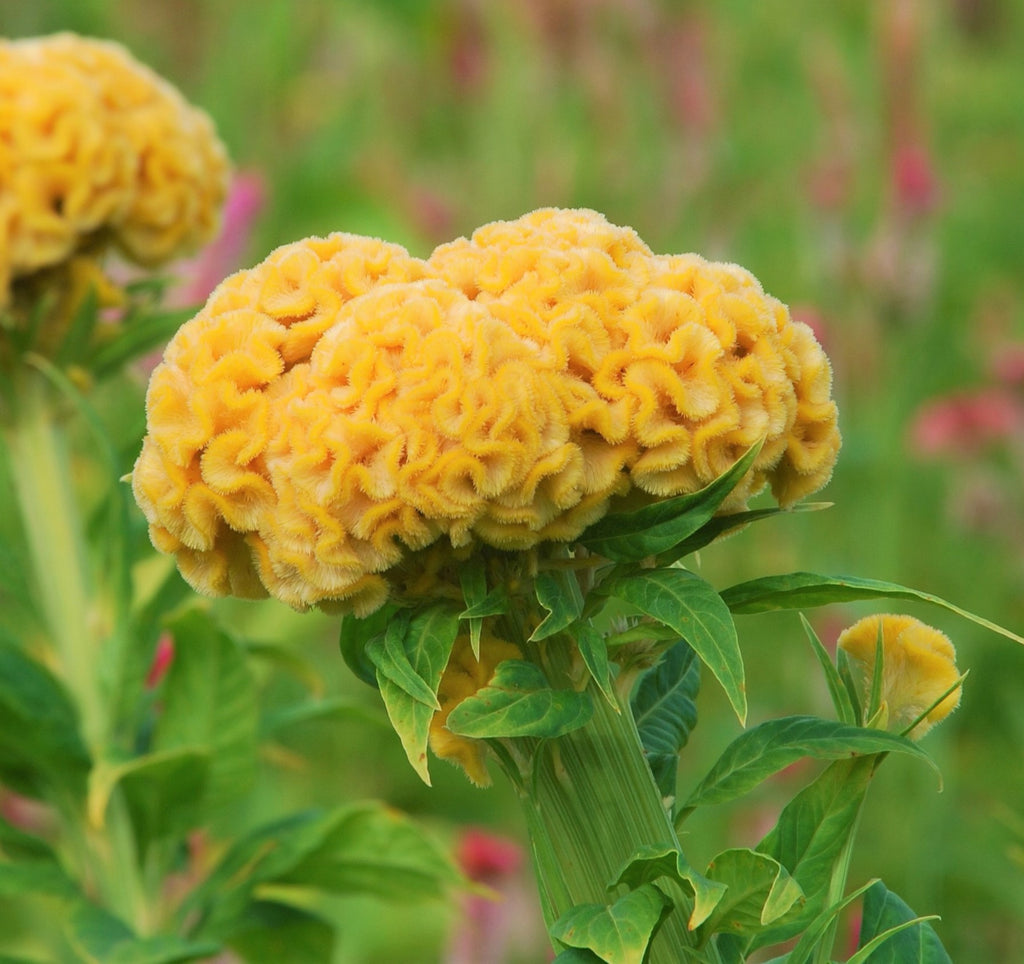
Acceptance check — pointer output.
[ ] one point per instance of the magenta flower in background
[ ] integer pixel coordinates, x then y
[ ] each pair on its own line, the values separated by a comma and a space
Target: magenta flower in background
963, 423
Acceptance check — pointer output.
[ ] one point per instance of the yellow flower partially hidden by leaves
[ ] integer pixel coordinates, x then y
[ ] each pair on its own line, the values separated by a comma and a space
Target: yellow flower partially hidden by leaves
918, 667
96, 149
463, 677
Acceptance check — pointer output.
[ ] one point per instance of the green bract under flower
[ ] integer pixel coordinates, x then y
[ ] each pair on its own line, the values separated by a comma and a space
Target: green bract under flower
344, 405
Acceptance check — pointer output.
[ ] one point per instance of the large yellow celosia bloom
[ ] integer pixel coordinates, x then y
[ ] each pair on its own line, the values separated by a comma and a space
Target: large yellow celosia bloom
94, 149
918, 667
343, 406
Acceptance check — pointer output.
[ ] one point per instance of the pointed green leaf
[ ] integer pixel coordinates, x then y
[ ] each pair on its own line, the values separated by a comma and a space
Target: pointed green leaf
808, 944
271, 933
571, 955
758, 892
209, 705
721, 525
594, 651
840, 697
519, 702
473, 580
354, 638
428, 645
619, 934
915, 943
811, 836
559, 593
772, 746
45, 878
389, 655
653, 861
494, 603
41, 751
163, 791
688, 605
631, 536
147, 331
665, 712
805, 590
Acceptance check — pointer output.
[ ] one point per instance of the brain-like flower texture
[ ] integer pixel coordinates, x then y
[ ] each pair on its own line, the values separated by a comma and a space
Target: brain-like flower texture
96, 149
918, 668
342, 408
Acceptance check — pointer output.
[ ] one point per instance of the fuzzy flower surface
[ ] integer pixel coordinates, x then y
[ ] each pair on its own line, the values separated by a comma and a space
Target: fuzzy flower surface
918, 667
343, 412
96, 149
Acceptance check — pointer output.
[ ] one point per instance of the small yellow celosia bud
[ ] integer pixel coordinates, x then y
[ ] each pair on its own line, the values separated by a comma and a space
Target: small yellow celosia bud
918, 666
463, 677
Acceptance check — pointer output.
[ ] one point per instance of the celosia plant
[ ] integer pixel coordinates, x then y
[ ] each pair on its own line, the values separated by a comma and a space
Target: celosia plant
496, 462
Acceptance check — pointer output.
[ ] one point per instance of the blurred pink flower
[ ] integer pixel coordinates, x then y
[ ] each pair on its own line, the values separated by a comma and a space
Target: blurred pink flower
490, 927
163, 656
964, 423
1007, 364
224, 255
914, 182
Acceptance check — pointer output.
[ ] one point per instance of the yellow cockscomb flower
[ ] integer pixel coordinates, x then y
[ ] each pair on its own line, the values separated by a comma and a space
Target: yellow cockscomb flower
96, 149
463, 677
678, 365
343, 406
918, 666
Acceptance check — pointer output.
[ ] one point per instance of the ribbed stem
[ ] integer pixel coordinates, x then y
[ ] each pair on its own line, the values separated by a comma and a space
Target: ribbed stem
590, 803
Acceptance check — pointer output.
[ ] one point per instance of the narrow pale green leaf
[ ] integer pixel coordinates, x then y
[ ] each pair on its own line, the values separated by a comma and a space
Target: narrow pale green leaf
721, 525
844, 667
473, 580
519, 702
811, 835
559, 593
388, 653
655, 528
653, 861
594, 651
805, 590
772, 746
209, 705
808, 944
617, 934
41, 751
840, 697
688, 605
891, 933
428, 645
494, 603
148, 331
758, 891
665, 712
163, 791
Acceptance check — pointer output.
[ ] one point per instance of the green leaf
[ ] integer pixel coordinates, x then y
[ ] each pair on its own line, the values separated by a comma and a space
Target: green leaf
473, 580
811, 836
619, 934
837, 690
914, 943
571, 955
631, 536
665, 712
162, 790
688, 605
772, 746
18, 845
559, 593
758, 891
209, 706
805, 590
41, 751
653, 861
369, 849
594, 651
721, 525
808, 944
354, 637
44, 878
388, 654
494, 603
335, 709
101, 938
519, 702
145, 332
75, 342
271, 933
428, 645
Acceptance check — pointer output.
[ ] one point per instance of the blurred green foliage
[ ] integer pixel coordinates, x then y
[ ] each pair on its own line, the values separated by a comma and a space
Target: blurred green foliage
864, 160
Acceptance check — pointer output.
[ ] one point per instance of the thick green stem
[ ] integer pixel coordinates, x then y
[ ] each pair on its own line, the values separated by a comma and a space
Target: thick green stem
42, 479
590, 803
